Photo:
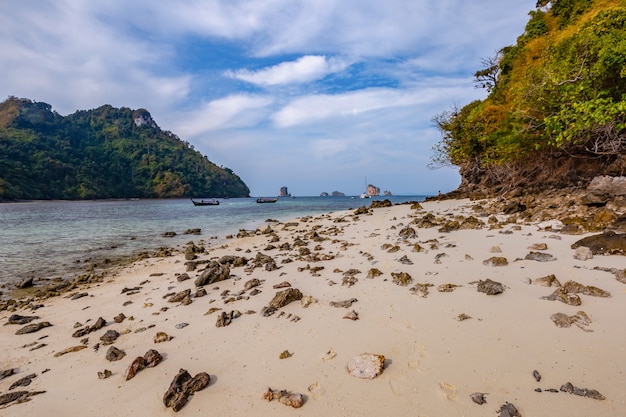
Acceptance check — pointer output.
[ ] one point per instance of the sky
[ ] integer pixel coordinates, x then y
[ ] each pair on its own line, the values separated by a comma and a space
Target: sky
314, 95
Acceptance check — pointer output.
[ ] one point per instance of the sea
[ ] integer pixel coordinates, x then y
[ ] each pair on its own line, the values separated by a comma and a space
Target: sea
60, 239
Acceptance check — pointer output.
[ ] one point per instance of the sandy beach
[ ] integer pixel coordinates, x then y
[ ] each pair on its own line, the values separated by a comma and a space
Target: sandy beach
444, 342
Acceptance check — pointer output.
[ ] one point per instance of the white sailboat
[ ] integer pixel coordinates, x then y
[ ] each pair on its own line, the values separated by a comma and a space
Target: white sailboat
365, 194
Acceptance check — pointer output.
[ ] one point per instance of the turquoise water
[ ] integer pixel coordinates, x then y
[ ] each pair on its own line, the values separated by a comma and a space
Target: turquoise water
59, 238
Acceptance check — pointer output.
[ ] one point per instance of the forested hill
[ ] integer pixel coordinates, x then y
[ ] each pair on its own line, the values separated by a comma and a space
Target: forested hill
102, 153
555, 114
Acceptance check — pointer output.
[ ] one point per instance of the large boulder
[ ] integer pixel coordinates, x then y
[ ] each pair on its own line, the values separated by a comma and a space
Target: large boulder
605, 243
214, 272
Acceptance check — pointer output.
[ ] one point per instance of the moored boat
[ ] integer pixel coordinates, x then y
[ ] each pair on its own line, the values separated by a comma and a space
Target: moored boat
266, 200
211, 202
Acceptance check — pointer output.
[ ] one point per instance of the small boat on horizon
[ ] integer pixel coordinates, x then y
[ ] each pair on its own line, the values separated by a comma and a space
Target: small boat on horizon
266, 200
211, 202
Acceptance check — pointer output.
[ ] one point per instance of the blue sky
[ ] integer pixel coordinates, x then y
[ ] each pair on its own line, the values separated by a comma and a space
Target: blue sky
315, 95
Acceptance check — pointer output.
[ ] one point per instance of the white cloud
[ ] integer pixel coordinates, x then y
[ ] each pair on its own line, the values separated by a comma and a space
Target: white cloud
305, 69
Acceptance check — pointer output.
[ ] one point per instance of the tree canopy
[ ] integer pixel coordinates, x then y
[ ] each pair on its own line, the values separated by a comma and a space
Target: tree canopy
101, 153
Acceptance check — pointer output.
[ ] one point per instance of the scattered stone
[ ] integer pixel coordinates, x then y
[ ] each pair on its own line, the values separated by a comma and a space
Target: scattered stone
508, 410
583, 253
151, 359
496, 261
162, 337
99, 324
7, 373
119, 318
307, 300
562, 295
408, 233
79, 295
537, 375
401, 278
373, 273
105, 374
366, 365
294, 400
70, 350
109, 337
32, 328
23, 382
479, 398
352, 315
490, 287
344, 303
214, 272
580, 319
447, 287
225, 319
583, 392
251, 284
18, 396
329, 355
575, 287
281, 299
17, 319
405, 260
114, 354
285, 354
547, 281
495, 249
540, 257
283, 284
181, 325
421, 289
349, 280
463, 317
180, 296
538, 246
182, 386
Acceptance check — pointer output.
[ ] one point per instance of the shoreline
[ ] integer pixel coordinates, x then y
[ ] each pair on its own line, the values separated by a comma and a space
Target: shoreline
442, 341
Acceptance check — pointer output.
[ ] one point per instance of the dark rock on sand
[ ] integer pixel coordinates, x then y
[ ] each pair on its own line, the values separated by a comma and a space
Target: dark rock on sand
408, 233
110, 336
479, 398
490, 287
537, 375
580, 319
214, 272
99, 324
17, 396
23, 382
401, 278
344, 303
17, 319
562, 295
496, 261
26, 283
151, 359
508, 410
115, 354
609, 242
224, 319
182, 386
180, 296
373, 273
584, 392
6, 373
361, 210
32, 328
575, 287
540, 257
281, 299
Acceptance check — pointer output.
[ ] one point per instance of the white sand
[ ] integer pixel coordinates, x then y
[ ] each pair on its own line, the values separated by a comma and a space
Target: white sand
433, 361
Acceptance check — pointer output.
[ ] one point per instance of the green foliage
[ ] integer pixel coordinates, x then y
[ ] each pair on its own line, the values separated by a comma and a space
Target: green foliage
559, 91
102, 153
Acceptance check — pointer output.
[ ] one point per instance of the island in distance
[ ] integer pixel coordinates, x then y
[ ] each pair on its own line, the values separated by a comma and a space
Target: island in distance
333, 194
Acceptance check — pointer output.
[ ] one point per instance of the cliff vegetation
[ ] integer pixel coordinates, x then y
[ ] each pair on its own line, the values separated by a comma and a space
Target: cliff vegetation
555, 113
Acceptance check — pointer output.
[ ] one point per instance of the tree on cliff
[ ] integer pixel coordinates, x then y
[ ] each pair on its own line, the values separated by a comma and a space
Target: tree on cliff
556, 103
102, 153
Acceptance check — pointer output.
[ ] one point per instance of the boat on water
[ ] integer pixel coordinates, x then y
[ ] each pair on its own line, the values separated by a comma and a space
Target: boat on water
266, 200
211, 202
365, 195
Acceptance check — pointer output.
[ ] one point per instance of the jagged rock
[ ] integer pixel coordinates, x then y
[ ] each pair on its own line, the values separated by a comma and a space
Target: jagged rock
119, 318
361, 210
472, 223
408, 233
508, 410
214, 272
446, 287
17, 396
105, 374
537, 375
291, 399
366, 365
496, 261
7, 373
479, 398
23, 382
281, 299
225, 319
584, 392
401, 278
180, 296
450, 226
162, 337
151, 359
580, 319
490, 287
608, 185
343, 304
307, 300
114, 354
32, 328
349, 280
547, 281
26, 283
421, 289
351, 315
373, 273
183, 277
540, 257
110, 336
17, 319
255, 282
578, 288
609, 242
99, 324
562, 295
70, 350
182, 386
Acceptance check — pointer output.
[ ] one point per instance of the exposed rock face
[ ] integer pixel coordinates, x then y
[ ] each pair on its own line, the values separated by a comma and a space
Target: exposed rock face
182, 386
214, 272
